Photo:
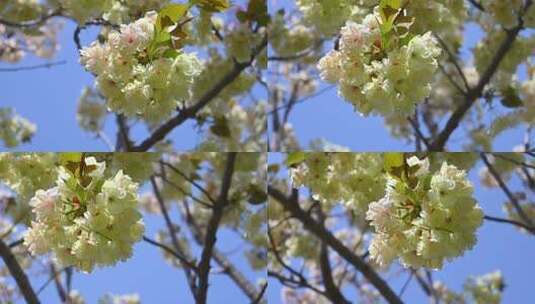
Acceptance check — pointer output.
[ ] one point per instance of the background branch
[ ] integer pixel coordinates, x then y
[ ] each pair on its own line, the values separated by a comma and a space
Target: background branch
290, 204
18, 274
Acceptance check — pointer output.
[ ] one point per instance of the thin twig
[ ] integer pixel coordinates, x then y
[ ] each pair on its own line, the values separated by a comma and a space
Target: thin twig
33, 67
506, 190
508, 221
476, 92
167, 249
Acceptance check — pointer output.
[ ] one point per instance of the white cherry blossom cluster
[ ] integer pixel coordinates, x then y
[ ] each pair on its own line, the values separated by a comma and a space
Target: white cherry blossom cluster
17, 41
425, 217
240, 41
376, 80
443, 17
24, 174
328, 16
133, 82
15, 129
506, 13
288, 40
484, 289
91, 111
114, 11
86, 220
354, 179
120, 299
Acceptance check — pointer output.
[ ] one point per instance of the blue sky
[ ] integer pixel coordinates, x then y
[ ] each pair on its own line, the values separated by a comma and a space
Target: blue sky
499, 247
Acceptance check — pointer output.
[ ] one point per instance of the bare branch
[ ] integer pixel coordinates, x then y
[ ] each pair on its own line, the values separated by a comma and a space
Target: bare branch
331, 290
476, 92
172, 233
18, 274
512, 222
291, 205
241, 281
177, 255
211, 230
33, 23
506, 190
33, 67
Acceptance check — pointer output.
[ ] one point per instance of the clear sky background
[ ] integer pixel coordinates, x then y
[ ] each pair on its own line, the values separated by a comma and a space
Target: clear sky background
499, 247
329, 117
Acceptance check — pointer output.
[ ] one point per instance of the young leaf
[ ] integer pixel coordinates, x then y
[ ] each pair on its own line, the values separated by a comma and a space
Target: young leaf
65, 158
295, 158
174, 11
220, 127
510, 98
395, 4
213, 6
393, 160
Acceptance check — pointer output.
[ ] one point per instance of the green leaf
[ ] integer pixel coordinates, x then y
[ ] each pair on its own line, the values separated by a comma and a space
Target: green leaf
242, 16
395, 4
257, 195
65, 158
213, 6
257, 11
162, 36
295, 158
170, 53
393, 160
510, 98
220, 127
171, 14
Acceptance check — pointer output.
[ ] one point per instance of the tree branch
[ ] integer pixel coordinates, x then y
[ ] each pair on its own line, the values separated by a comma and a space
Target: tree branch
172, 233
476, 92
512, 222
167, 249
34, 67
506, 190
192, 111
18, 274
34, 23
291, 205
331, 290
211, 230
241, 281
